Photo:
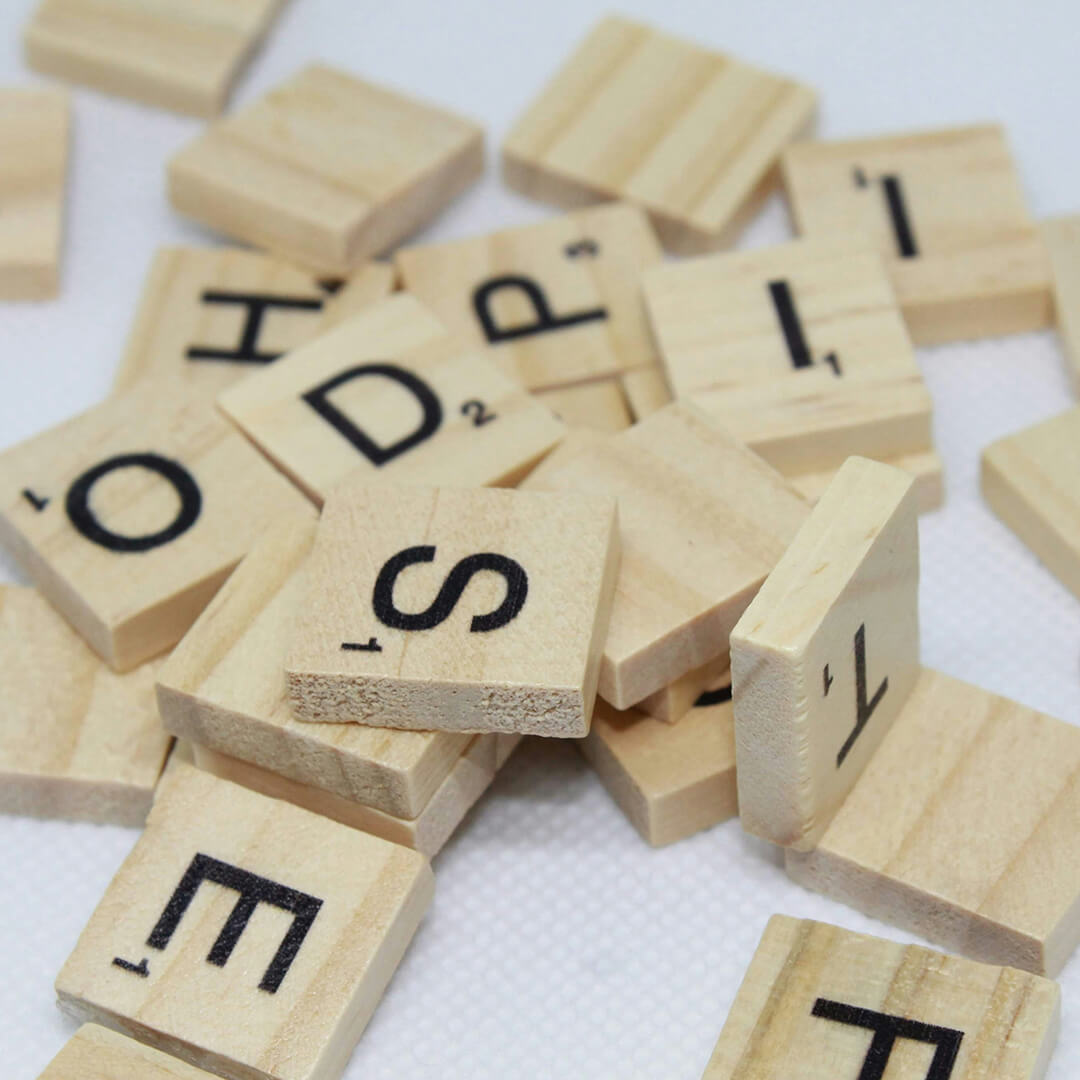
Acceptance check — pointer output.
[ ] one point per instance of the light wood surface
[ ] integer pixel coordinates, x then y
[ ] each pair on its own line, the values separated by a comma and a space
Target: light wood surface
326, 169
182, 55
690, 134
96, 1053
798, 350
387, 395
676, 699
670, 781
926, 469
600, 406
456, 609
973, 265
1062, 239
822, 1003
131, 515
962, 762
34, 137
702, 521
271, 972
646, 391
555, 303
466, 783
826, 654
215, 315
223, 688
1029, 480
77, 740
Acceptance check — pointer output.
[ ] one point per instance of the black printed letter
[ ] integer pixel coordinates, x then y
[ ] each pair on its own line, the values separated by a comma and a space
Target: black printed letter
863, 709
247, 352
545, 318
792, 328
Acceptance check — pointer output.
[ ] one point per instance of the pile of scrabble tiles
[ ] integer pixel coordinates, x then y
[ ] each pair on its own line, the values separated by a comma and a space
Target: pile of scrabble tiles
347, 530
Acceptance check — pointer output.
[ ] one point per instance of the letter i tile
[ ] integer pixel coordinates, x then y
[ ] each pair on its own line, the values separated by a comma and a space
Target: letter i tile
246, 935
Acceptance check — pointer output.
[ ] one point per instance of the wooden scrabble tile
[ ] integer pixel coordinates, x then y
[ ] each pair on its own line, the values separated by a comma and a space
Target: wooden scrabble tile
963, 829
825, 656
130, 516
326, 169
215, 315
247, 935
388, 395
1029, 480
1062, 239
77, 740
96, 1053
946, 210
182, 55
799, 350
34, 136
646, 391
670, 781
690, 134
516, 650
223, 688
702, 521
678, 698
820, 1003
457, 794
926, 469
555, 303
600, 406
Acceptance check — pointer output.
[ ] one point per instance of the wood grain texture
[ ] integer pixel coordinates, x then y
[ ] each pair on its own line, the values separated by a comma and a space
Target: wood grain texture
445, 414
585, 318
976, 266
96, 1053
1029, 480
77, 741
813, 993
687, 133
963, 828
600, 406
182, 55
826, 654
326, 170
466, 783
926, 469
798, 350
34, 140
129, 549
223, 688
670, 781
368, 898
702, 521
1062, 239
455, 609
193, 304
676, 699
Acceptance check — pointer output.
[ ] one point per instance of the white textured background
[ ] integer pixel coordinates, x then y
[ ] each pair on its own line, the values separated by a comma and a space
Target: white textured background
560, 946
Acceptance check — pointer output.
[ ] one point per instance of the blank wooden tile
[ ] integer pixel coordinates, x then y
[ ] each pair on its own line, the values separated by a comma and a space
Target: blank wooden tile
130, 516
646, 391
676, 699
1062, 238
555, 303
34, 136
670, 781
690, 134
798, 350
822, 1003
215, 315
926, 469
96, 1053
223, 688
946, 210
387, 395
326, 169
470, 777
1029, 480
600, 406
825, 656
247, 935
181, 55
702, 521
963, 829
77, 740
456, 609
